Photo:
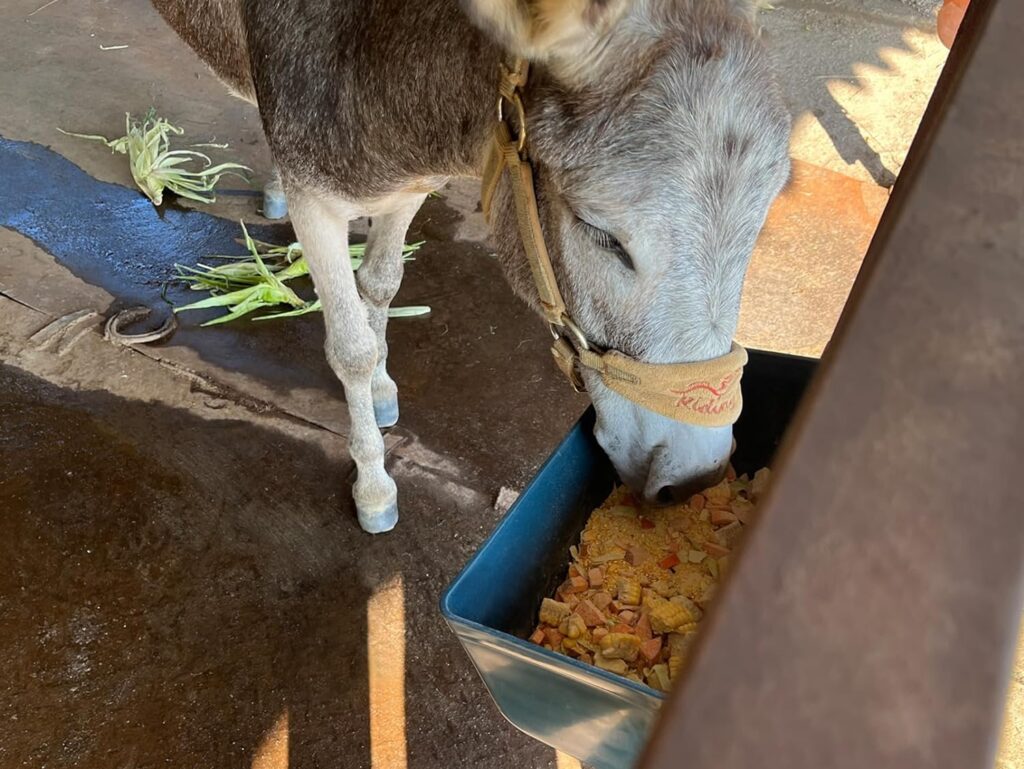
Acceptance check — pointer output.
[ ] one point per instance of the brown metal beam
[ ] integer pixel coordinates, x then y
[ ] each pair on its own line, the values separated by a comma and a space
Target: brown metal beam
870, 621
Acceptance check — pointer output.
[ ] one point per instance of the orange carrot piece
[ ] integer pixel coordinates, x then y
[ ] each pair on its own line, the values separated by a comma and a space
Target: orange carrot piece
651, 648
553, 636
669, 561
579, 584
591, 614
643, 627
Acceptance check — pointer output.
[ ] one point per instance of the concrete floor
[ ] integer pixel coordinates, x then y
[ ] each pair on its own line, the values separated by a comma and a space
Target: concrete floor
185, 584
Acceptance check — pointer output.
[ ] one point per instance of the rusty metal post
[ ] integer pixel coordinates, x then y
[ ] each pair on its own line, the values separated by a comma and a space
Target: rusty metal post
870, 621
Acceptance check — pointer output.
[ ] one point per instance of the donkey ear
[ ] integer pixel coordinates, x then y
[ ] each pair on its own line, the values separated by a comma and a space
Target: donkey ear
543, 29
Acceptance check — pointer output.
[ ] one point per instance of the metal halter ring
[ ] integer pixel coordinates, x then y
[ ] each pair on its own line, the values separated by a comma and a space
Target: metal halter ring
567, 328
520, 115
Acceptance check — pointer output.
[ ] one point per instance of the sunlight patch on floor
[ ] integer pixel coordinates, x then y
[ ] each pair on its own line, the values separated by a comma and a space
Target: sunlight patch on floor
385, 650
272, 752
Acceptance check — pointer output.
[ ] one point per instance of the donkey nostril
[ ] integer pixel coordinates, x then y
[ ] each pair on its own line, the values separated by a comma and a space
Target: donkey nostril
666, 496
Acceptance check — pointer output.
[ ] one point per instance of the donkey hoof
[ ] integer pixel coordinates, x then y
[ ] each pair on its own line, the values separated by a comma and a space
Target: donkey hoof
275, 206
377, 520
386, 412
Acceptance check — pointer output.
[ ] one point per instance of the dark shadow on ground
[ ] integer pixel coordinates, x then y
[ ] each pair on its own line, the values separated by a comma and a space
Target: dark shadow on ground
171, 585
475, 377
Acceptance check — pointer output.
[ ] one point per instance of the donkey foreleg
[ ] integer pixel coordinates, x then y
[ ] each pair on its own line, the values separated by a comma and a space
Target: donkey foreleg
275, 205
379, 279
322, 227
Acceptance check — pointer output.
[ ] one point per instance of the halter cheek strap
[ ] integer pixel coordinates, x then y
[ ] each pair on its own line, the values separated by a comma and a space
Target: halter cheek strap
705, 393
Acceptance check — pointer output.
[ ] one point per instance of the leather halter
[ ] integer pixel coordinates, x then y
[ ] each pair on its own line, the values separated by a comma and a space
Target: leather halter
705, 393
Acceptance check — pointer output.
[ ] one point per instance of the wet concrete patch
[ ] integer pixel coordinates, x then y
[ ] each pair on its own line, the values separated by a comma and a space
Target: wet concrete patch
106, 234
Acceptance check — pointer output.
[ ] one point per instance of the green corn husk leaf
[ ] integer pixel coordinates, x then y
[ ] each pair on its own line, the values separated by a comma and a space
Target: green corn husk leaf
315, 306
246, 284
156, 167
412, 311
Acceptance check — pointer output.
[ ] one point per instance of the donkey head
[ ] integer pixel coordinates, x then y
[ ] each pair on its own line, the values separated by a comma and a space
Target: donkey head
658, 139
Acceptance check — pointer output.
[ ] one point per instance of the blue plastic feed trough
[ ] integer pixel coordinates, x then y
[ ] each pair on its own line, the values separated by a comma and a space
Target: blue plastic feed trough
596, 716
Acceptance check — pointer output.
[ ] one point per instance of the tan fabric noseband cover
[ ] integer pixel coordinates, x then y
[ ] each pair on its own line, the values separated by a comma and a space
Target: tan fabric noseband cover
704, 393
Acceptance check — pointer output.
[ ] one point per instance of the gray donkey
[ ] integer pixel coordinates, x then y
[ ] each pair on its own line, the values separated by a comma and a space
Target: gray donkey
658, 138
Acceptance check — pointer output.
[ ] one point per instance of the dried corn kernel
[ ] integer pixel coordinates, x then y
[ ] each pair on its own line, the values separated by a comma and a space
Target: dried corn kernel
729, 535
663, 588
679, 643
706, 597
613, 665
691, 608
660, 677
620, 646
626, 605
553, 612
675, 667
650, 598
615, 554
628, 591
667, 616
759, 485
719, 493
743, 510
575, 626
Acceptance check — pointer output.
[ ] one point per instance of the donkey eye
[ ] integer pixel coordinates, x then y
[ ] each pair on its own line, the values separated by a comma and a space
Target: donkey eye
609, 243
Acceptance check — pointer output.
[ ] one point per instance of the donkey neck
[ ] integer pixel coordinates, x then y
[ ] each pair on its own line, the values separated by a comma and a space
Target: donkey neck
372, 97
